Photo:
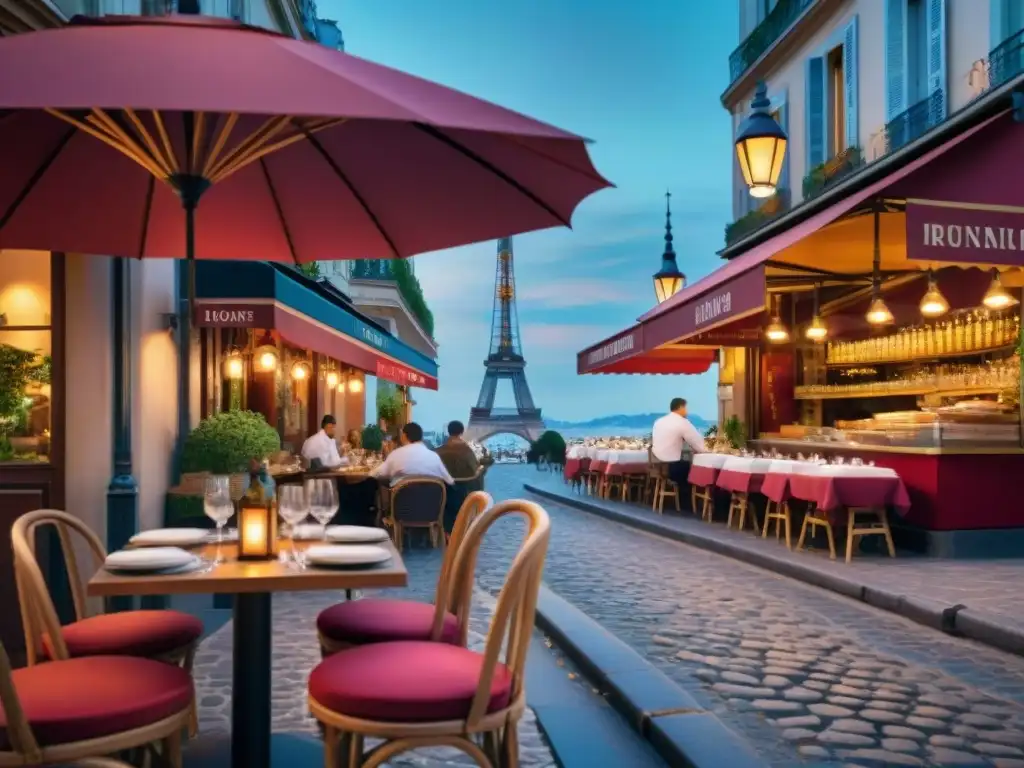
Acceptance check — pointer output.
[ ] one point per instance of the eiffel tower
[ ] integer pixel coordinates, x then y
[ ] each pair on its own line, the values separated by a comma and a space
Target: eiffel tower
505, 361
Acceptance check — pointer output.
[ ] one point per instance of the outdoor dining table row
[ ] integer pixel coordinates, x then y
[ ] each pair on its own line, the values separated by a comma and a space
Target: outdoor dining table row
864, 492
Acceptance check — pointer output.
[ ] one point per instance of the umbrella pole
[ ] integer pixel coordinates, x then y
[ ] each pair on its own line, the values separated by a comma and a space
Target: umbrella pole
190, 188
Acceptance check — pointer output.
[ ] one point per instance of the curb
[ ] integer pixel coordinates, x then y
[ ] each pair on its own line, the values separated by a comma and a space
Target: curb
680, 730
957, 620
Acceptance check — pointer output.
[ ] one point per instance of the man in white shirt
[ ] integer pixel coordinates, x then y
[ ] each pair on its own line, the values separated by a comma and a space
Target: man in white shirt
412, 458
322, 446
673, 440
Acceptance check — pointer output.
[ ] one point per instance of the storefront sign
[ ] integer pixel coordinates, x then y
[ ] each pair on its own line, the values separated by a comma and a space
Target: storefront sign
965, 235
373, 337
622, 346
778, 405
732, 299
402, 375
234, 316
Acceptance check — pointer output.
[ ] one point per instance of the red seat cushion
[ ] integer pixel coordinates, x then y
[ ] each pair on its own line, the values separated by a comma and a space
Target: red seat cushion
78, 699
361, 622
129, 633
405, 682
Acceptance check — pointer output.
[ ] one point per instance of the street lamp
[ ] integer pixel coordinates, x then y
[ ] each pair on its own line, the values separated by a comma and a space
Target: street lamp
761, 147
668, 280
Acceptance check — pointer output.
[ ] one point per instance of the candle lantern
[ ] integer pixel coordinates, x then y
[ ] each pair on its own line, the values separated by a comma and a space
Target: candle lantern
257, 522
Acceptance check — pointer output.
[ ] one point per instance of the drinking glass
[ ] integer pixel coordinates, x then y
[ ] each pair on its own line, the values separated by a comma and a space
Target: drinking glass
218, 506
293, 507
323, 501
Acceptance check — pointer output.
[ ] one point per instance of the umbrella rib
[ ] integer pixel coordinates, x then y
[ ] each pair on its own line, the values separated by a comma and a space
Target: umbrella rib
36, 177
147, 208
351, 188
280, 211
487, 165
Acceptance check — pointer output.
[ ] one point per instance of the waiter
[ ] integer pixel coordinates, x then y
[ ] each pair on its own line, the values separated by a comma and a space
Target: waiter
355, 500
674, 440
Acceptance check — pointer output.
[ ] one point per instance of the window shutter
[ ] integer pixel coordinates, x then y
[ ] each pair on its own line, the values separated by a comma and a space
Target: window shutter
851, 61
815, 112
895, 57
937, 58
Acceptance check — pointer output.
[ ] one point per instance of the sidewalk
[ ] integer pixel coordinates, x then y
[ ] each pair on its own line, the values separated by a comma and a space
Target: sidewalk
977, 599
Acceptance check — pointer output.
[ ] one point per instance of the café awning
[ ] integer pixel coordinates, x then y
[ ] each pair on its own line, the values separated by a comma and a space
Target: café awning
307, 315
624, 353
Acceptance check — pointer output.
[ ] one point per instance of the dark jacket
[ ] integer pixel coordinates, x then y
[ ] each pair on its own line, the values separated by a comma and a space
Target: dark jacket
459, 459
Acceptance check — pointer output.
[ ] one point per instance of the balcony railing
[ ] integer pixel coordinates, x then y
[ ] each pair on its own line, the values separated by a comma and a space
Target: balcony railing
764, 35
772, 208
915, 121
371, 269
826, 175
1006, 60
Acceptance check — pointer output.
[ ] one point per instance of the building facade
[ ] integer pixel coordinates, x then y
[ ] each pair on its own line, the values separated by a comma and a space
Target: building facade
851, 81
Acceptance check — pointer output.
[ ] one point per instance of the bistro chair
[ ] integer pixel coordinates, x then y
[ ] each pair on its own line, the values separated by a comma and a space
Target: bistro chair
372, 620
779, 512
84, 710
161, 635
394, 692
664, 488
456, 496
417, 502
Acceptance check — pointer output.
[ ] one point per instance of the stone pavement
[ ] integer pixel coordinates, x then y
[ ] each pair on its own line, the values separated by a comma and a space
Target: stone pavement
807, 676
296, 652
980, 597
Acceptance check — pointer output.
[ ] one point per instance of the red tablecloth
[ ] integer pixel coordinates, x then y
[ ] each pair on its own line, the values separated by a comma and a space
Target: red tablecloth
776, 486
702, 476
830, 493
627, 468
739, 482
598, 465
572, 468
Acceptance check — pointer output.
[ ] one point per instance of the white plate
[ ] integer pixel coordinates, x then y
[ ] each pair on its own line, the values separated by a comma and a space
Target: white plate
148, 559
356, 534
358, 554
171, 537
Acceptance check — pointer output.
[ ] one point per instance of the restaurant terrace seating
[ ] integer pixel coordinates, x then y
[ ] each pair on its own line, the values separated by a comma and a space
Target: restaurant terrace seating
371, 620
83, 710
456, 496
393, 691
163, 635
417, 502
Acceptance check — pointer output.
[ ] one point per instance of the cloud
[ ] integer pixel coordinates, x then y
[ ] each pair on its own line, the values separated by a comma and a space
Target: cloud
571, 292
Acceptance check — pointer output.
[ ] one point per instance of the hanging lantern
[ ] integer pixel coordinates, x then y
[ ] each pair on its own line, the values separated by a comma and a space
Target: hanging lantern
300, 370
761, 147
234, 364
355, 386
878, 313
776, 332
332, 379
933, 303
817, 330
997, 297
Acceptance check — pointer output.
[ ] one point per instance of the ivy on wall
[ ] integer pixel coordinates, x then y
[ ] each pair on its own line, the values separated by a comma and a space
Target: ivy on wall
310, 269
411, 291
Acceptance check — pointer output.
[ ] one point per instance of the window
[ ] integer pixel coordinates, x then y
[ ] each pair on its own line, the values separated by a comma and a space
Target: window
915, 60
836, 112
25, 363
917, 52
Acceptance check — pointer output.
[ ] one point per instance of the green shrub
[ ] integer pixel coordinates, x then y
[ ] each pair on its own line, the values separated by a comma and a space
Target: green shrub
17, 368
550, 446
227, 442
373, 437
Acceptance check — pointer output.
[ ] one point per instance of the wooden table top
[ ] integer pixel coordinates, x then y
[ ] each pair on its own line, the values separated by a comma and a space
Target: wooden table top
237, 577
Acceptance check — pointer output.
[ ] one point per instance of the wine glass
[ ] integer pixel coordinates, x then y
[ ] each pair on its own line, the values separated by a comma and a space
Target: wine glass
218, 506
323, 501
293, 507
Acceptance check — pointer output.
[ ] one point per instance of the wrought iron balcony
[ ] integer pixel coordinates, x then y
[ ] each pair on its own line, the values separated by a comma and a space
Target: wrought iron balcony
371, 269
826, 175
915, 121
764, 35
1006, 60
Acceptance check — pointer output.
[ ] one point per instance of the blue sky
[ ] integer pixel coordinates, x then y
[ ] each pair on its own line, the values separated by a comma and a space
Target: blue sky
640, 79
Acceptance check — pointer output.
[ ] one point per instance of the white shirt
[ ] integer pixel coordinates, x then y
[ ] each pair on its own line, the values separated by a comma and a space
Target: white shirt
412, 459
320, 446
672, 434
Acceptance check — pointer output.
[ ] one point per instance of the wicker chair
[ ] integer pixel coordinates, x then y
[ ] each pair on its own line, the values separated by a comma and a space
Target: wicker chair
417, 502
372, 620
392, 691
457, 495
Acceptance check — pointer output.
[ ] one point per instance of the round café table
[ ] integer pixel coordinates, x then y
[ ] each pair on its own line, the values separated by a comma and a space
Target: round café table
252, 584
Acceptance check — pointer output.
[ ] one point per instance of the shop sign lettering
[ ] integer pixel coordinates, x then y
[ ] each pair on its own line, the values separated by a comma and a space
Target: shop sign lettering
613, 348
960, 236
968, 235
208, 316
712, 308
375, 338
400, 374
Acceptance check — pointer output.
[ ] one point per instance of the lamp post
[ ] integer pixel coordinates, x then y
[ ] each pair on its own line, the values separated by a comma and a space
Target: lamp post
668, 280
761, 147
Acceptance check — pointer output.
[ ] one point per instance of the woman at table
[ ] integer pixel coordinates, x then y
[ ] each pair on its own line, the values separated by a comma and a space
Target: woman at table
355, 500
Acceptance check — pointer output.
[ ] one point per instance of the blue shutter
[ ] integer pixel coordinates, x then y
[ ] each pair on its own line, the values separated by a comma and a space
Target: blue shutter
815, 111
895, 57
937, 59
851, 60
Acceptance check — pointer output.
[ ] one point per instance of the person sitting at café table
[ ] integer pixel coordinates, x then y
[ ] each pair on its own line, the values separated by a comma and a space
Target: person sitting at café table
458, 456
353, 441
412, 459
356, 500
673, 441
321, 450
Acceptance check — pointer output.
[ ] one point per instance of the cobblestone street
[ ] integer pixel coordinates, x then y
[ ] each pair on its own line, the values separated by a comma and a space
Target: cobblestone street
809, 677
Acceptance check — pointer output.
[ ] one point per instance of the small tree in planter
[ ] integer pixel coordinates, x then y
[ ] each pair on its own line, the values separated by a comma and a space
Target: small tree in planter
226, 442
373, 437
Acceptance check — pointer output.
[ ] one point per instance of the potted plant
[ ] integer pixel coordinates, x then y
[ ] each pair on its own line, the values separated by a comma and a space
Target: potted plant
19, 369
373, 437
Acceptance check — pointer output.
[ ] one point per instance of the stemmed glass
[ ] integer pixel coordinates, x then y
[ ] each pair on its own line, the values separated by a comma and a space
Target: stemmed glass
293, 506
323, 501
218, 506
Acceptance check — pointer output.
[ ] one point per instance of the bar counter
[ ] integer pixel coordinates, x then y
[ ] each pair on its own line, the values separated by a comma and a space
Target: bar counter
951, 488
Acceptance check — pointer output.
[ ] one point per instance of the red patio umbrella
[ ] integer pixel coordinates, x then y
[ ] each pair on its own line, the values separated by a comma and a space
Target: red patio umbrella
297, 152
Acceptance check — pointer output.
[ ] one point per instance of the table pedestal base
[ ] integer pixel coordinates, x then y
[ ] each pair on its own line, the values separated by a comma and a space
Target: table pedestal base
287, 750
250, 695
